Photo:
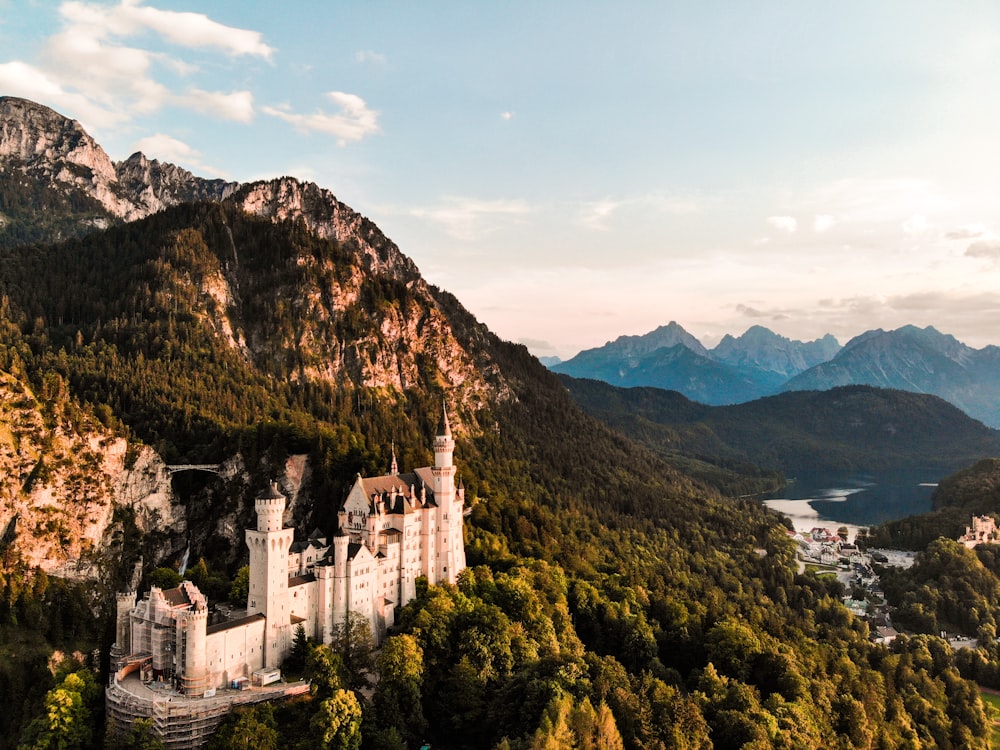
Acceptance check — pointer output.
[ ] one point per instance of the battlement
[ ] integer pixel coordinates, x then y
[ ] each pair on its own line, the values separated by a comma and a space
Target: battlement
270, 507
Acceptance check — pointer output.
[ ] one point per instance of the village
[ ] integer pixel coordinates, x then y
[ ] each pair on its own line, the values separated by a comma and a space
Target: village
831, 553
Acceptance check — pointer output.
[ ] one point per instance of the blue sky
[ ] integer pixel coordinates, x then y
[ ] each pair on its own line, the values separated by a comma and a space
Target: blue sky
574, 171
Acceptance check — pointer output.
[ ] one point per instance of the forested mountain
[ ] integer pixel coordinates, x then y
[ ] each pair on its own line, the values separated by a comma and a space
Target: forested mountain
852, 427
612, 599
760, 363
922, 360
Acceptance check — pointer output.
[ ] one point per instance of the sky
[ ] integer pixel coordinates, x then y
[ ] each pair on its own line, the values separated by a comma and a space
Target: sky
576, 171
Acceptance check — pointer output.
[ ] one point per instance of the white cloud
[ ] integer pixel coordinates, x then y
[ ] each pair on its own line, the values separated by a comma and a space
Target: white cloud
20, 79
967, 232
507, 115
369, 56
786, 224
468, 219
237, 105
597, 215
131, 17
354, 122
88, 68
195, 30
823, 222
167, 148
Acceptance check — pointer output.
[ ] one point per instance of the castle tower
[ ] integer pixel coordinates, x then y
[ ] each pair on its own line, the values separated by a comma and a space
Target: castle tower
192, 651
340, 577
443, 562
268, 594
443, 470
123, 624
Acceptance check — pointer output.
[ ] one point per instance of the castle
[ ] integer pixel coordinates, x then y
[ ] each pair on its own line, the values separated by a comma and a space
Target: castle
982, 531
392, 530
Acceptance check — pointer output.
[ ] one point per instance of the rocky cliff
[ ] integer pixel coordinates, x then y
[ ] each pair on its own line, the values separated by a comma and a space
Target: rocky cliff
62, 476
56, 150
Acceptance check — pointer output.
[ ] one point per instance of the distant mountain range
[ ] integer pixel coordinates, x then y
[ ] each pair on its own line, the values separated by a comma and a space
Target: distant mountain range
855, 428
762, 363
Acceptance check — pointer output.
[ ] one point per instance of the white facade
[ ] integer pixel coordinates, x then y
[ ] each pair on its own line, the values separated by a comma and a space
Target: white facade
393, 529
982, 531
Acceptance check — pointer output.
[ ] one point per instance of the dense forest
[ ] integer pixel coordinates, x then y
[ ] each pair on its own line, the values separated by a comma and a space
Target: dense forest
612, 599
856, 428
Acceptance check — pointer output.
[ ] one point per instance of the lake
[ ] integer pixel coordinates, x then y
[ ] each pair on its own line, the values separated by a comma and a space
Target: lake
855, 499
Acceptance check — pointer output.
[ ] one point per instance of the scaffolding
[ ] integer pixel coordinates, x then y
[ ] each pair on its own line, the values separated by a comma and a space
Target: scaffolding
181, 721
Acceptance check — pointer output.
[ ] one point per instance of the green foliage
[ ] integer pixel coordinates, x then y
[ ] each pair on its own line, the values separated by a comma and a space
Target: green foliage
140, 735
66, 722
164, 578
213, 584
948, 588
398, 698
352, 642
247, 728
295, 662
337, 722
35, 212
843, 428
325, 671
240, 590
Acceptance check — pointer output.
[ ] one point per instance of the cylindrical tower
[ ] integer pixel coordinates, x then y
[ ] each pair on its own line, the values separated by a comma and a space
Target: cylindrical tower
192, 645
125, 601
269, 545
270, 507
340, 550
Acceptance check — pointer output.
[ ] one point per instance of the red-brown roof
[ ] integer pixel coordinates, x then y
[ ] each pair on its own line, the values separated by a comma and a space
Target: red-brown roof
233, 623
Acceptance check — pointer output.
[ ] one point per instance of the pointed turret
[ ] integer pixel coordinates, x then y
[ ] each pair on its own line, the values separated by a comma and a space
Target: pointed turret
444, 428
444, 445
394, 466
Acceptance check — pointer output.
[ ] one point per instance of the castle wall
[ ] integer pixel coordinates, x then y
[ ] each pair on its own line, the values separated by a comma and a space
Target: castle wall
235, 652
304, 602
361, 589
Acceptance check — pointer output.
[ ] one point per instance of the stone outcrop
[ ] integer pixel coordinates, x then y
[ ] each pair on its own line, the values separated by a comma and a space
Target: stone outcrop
62, 476
48, 146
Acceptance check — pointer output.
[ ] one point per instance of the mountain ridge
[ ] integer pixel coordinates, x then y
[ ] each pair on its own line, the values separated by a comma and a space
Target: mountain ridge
738, 369
763, 363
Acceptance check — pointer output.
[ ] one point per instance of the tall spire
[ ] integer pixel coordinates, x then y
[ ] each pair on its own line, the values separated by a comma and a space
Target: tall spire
444, 428
394, 466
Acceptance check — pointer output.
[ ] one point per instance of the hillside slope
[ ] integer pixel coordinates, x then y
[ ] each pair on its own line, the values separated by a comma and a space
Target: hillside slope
851, 427
917, 360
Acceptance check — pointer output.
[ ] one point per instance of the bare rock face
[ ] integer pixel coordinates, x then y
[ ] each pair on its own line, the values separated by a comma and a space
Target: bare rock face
288, 199
153, 186
62, 476
46, 145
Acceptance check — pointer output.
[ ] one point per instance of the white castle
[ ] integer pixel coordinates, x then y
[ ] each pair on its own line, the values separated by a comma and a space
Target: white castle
392, 530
